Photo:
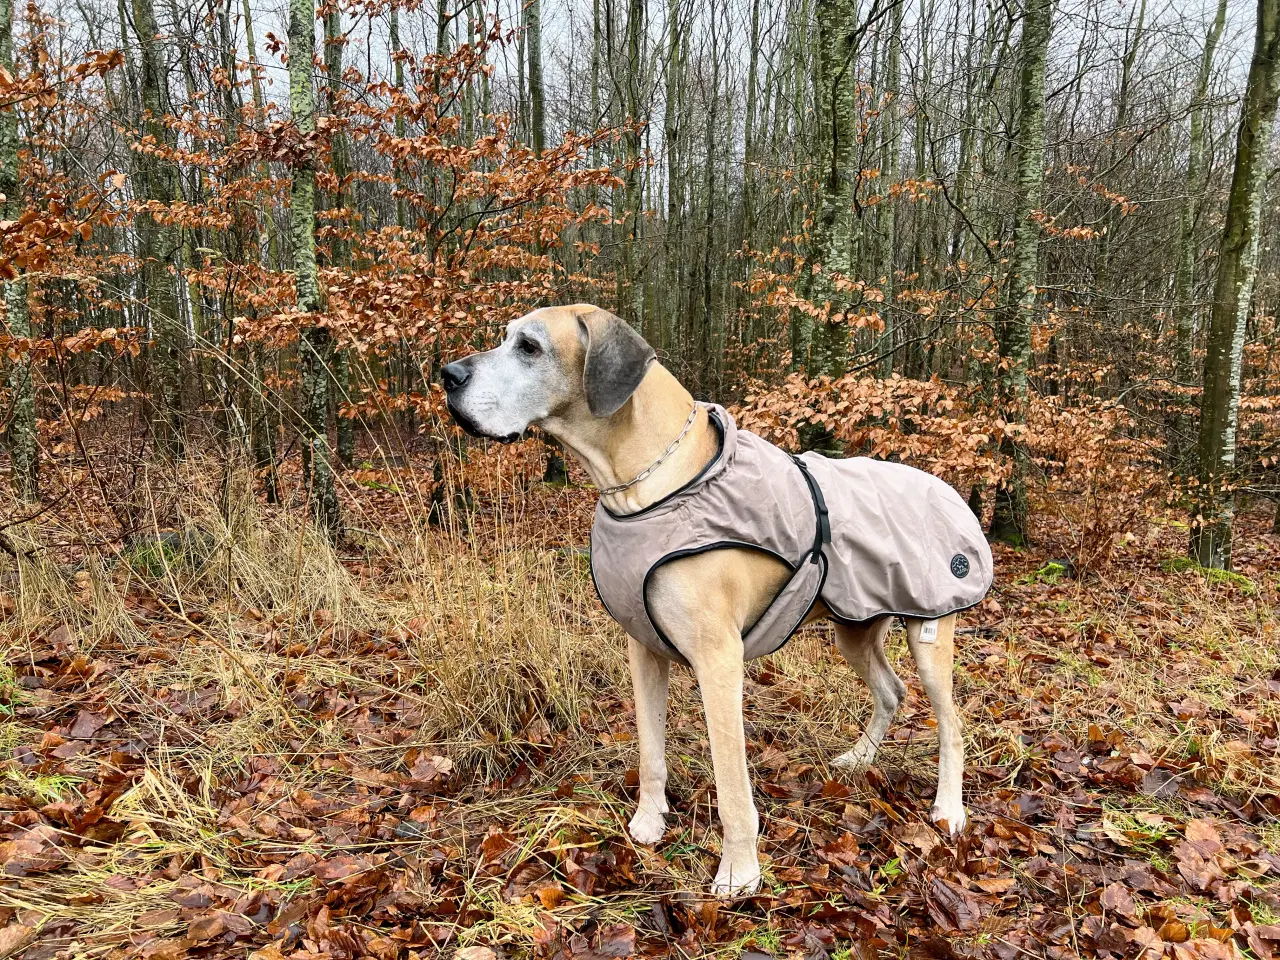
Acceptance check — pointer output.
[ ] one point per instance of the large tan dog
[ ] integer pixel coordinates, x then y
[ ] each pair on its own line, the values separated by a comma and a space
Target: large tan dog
585, 377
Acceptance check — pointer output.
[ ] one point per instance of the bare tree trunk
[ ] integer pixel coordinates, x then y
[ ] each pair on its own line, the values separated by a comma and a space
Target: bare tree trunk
314, 346
396, 50
1232, 293
263, 428
749, 133
1009, 520
156, 245
1110, 165
22, 420
1184, 311
890, 173
672, 135
829, 243
555, 470
631, 143
537, 96
338, 253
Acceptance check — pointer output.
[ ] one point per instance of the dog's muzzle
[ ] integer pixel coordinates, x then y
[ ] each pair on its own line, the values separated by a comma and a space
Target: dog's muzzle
455, 376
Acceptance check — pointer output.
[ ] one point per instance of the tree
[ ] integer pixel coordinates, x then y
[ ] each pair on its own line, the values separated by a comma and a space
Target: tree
821, 350
315, 347
1184, 312
334, 40
22, 421
156, 241
1009, 519
1232, 295
537, 95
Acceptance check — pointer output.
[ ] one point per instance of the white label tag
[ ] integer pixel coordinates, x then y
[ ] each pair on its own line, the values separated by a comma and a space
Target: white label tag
929, 631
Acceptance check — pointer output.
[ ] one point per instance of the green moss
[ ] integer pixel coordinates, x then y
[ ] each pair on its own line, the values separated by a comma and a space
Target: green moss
1214, 577
1051, 572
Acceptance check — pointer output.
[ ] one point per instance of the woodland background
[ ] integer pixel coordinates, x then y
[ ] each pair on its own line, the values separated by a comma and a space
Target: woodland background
294, 667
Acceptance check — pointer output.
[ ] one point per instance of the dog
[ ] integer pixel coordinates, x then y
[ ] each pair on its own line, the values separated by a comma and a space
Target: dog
582, 375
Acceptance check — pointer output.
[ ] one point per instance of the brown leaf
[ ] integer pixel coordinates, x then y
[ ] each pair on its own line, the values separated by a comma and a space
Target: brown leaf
1204, 836
1174, 931
35, 851
87, 724
495, 844
921, 836
207, 927
15, 938
1117, 899
995, 885
951, 906
551, 896
618, 940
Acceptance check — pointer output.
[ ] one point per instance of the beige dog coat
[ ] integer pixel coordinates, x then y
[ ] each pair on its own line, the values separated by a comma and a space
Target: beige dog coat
869, 538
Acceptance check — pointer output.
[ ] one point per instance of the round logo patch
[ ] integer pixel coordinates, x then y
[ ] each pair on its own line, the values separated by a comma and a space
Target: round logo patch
960, 566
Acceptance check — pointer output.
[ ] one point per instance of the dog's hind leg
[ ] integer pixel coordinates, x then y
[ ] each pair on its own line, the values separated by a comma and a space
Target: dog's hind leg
935, 660
650, 676
863, 647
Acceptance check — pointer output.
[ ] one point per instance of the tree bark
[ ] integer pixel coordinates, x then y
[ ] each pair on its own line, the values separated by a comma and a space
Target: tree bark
1232, 293
1109, 164
632, 175
22, 419
1184, 311
890, 172
157, 244
1009, 519
339, 256
263, 427
537, 95
314, 345
829, 243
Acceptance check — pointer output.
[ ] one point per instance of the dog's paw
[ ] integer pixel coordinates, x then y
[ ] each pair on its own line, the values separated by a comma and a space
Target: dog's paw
857, 759
952, 813
737, 877
647, 826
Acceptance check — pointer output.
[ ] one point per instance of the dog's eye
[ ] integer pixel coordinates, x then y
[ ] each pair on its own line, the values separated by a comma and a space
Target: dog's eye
528, 347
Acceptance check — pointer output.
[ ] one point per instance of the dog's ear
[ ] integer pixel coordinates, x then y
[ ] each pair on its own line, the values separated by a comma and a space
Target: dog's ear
617, 360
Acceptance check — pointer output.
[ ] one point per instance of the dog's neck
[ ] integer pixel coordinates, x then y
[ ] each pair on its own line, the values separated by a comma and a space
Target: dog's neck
615, 449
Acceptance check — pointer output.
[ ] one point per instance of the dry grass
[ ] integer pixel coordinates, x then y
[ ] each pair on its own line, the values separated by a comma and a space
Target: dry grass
327, 673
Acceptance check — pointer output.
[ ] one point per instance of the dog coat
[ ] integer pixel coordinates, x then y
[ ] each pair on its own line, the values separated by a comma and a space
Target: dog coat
868, 538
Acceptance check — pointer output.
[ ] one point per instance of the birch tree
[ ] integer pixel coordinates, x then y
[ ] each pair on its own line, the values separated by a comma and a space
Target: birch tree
1232, 295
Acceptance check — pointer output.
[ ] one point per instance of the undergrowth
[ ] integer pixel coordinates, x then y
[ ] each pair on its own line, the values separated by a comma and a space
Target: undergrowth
229, 701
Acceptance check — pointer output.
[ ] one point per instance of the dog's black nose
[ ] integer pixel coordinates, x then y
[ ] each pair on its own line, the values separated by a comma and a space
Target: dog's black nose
455, 374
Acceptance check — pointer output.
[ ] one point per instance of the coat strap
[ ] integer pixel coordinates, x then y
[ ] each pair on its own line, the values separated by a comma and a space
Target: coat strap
823, 533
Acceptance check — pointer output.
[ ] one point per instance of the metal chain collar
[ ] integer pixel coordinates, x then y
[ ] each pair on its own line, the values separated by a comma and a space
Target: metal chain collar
688, 425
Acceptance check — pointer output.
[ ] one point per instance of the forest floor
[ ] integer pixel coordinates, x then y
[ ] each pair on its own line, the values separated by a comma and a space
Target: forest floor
231, 740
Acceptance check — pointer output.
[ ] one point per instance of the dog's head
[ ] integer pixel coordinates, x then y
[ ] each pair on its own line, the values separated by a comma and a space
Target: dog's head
555, 363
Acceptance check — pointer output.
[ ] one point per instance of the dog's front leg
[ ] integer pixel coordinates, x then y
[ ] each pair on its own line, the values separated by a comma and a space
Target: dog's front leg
649, 678
719, 667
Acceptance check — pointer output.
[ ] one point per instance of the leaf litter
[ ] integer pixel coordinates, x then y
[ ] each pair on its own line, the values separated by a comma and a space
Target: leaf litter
433, 755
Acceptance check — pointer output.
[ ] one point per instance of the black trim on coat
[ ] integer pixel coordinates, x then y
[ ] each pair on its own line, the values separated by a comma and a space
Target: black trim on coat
694, 551
720, 431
